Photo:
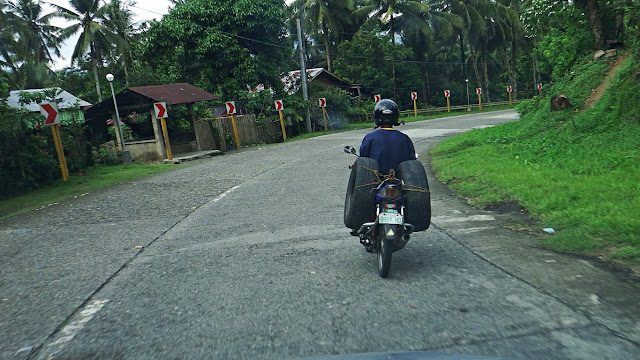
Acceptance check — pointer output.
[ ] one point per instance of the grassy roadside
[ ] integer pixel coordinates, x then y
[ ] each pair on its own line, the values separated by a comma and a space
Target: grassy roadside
574, 170
93, 179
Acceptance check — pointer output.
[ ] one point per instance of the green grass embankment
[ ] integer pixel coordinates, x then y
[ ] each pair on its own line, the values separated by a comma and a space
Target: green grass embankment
575, 170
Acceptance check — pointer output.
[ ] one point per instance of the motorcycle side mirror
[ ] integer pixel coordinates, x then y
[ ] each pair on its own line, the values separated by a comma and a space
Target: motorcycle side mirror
350, 150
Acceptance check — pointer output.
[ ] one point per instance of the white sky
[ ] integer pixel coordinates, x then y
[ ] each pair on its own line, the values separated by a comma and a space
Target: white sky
143, 10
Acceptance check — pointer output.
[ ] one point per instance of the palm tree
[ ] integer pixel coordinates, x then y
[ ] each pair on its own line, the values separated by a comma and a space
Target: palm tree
425, 32
36, 37
8, 43
385, 13
487, 26
326, 20
88, 18
119, 20
472, 23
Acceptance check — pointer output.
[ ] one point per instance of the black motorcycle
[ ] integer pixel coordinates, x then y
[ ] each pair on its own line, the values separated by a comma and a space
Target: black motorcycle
385, 209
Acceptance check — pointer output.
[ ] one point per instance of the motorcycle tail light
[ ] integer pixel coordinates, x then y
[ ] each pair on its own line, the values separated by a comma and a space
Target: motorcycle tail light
390, 192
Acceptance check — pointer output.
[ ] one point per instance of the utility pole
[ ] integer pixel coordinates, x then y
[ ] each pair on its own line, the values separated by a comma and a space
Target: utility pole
303, 71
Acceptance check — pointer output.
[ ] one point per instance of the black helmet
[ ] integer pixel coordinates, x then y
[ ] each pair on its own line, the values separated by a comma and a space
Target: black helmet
386, 113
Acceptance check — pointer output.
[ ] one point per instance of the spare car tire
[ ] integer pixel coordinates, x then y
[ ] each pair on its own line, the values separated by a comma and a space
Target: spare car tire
417, 196
360, 202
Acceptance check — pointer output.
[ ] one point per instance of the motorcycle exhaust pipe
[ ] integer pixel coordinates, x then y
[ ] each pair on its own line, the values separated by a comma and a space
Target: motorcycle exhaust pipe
406, 238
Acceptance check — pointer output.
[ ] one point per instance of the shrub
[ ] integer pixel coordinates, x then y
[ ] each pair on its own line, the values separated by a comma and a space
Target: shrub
107, 154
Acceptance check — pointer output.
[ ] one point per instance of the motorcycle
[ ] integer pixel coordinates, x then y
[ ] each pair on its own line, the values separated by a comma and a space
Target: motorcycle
388, 231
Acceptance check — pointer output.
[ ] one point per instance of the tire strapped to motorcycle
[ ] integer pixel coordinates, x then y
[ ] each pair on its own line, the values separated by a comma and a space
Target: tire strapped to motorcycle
360, 202
417, 196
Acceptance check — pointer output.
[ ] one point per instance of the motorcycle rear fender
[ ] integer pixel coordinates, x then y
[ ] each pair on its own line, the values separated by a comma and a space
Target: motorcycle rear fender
391, 231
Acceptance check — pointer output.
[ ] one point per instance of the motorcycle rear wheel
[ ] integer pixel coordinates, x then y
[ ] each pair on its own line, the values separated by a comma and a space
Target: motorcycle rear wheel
384, 251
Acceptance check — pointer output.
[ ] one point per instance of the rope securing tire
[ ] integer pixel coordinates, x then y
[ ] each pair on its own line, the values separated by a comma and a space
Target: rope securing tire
417, 196
360, 202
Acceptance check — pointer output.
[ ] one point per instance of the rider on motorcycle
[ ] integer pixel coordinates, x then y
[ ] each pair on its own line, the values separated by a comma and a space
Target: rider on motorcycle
387, 146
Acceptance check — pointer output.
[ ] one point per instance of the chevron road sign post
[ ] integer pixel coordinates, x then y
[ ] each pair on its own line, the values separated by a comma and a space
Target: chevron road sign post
52, 117
279, 107
160, 111
447, 94
231, 110
322, 102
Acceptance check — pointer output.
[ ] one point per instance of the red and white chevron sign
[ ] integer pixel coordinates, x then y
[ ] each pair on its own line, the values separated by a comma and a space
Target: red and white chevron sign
279, 105
447, 93
322, 102
478, 91
539, 86
377, 98
50, 112
231, 107
160, 109
414, 95
509, 88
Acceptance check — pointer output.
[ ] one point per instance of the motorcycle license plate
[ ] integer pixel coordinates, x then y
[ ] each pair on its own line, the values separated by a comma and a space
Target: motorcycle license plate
390, 218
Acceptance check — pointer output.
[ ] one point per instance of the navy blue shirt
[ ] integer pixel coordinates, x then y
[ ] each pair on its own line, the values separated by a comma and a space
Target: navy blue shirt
389, 147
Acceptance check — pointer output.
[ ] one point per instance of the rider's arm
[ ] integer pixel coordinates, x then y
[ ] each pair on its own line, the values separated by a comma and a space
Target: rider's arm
365, 148
412, 150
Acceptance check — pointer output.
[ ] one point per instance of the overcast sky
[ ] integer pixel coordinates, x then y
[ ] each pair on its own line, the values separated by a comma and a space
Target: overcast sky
143, 10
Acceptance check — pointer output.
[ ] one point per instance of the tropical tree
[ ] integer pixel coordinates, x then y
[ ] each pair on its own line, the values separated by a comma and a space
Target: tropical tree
8, 43
415, 19
370, 60
592, 9
219, 45
36, 37
88, 18
327, 20
119, 20
426, 32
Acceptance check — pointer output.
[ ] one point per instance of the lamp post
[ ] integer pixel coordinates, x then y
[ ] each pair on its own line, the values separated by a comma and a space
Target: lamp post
110, 78
467, 81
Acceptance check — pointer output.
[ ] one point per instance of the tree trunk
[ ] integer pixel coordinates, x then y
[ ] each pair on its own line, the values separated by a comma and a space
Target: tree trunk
474, 62
485, 91
595, 23
126, 71
94, 65
514, 79
393, 60
462, 57
510, 74
427, 85
326, 47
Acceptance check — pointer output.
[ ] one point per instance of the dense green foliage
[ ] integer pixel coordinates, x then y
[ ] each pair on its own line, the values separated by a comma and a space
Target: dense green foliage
374, 59
576, 170
220, 46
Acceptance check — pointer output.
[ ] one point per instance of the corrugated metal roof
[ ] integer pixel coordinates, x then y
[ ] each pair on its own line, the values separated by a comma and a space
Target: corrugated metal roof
68, 101
174, 94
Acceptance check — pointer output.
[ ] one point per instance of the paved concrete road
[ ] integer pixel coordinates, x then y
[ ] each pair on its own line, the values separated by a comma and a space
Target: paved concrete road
245, 257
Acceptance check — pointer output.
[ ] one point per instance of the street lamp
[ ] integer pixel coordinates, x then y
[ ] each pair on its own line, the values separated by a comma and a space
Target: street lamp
110, 78
467, 81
